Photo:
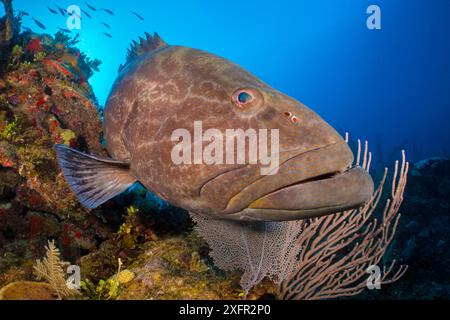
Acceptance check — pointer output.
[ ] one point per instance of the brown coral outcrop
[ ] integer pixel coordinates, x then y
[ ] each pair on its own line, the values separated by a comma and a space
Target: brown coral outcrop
28, 290
44, 101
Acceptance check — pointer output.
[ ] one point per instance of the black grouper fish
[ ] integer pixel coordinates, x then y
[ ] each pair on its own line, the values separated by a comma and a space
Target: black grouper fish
164, 88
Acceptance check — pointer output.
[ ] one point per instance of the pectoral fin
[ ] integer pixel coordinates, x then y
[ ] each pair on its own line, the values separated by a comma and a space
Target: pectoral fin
94, 180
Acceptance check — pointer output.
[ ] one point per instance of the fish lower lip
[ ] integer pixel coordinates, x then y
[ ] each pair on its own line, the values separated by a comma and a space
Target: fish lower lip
336, 190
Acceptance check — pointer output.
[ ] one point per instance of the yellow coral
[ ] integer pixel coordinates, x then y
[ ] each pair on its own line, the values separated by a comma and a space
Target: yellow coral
132, 211
17, 50
107, 289
67, 135
126, 234
39, 56
124, 276
10, 131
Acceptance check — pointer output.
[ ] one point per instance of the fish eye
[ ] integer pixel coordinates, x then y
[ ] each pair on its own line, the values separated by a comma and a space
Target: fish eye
243, 97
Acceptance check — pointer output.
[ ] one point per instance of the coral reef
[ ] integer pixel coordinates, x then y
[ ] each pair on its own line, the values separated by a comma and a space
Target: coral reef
44, 99
148, 251
158, 263
170, 268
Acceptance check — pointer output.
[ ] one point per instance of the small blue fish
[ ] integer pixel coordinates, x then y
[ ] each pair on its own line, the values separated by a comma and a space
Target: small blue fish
108, 11
90, 7
51, 10
107, 34
39, 24
106, 25
61, 10
24, 13
76, 15
86, 14
137, 15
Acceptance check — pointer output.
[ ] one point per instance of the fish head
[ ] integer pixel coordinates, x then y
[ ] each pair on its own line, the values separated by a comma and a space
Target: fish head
305, 171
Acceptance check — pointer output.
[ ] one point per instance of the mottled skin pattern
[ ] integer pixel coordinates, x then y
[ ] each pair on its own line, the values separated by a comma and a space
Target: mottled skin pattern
172, 87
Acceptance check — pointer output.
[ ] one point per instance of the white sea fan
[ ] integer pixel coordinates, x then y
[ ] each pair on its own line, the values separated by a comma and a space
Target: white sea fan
259, 249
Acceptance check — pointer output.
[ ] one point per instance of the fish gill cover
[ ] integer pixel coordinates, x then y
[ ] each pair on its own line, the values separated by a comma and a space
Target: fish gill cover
137, 245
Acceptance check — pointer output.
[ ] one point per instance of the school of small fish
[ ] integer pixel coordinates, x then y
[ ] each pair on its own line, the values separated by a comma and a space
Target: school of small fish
57, 10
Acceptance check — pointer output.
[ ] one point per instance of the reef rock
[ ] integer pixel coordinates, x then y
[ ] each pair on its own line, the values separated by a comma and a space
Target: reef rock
422, 239
175, 267
44, 99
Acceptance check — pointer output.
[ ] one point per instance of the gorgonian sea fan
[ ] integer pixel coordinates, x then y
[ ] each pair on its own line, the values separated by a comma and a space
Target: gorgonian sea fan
259, 249
318, 258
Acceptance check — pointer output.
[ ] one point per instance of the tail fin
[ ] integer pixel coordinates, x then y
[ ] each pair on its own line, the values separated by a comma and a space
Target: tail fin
93, 180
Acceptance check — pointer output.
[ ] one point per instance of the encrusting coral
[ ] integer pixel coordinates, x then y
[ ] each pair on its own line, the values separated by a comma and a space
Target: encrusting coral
44, 99
28, 290
160, 266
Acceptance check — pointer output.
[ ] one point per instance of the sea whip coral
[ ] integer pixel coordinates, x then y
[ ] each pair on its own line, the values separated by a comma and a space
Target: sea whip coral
323, 271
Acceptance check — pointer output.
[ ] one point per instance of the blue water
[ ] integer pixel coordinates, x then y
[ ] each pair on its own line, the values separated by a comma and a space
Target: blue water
391, 86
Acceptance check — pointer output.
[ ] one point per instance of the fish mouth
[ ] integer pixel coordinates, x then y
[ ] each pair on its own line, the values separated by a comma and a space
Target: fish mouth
332, 187
325, 194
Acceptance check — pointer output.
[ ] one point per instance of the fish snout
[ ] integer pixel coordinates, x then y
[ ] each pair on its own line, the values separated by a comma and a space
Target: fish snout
313, 183
316, 197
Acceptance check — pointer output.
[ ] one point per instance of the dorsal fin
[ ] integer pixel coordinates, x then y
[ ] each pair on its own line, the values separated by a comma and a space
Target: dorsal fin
137, 49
